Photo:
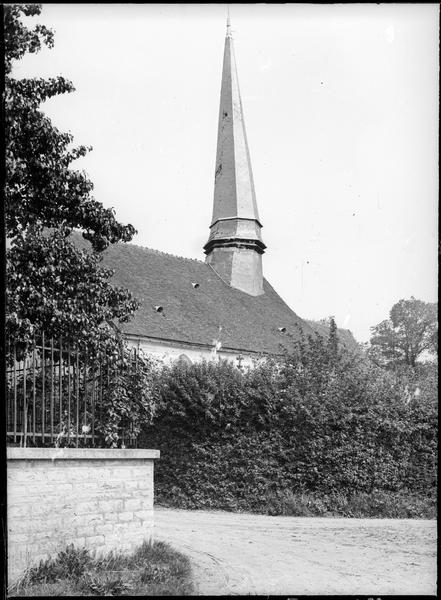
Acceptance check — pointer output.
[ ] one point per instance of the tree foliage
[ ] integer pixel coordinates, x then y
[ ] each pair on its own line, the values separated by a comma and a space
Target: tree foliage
41, 188
65, 293
412, 328
52, 285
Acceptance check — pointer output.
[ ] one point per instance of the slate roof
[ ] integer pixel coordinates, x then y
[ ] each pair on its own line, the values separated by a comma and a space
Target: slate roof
194, 315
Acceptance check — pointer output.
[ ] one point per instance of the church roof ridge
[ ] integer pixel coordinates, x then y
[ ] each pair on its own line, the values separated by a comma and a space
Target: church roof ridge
162, 253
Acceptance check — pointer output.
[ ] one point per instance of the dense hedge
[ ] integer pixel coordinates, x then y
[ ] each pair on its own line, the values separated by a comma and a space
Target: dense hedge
323, 421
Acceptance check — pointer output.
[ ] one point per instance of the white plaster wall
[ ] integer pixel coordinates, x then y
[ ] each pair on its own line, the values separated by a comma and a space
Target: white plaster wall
170, 353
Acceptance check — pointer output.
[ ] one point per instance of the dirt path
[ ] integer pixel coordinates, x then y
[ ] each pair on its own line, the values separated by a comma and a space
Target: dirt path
256, 554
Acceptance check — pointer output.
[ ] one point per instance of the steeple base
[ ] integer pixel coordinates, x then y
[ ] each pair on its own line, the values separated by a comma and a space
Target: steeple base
240, 267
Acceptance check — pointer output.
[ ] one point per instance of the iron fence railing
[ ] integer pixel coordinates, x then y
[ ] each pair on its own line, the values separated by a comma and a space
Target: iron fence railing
55, 392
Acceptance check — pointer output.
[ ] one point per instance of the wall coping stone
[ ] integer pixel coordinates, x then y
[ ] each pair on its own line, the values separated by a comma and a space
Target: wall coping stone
80, 454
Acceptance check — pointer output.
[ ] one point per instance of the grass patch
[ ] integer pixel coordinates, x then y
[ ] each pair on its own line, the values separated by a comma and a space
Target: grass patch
152, 570
379, 504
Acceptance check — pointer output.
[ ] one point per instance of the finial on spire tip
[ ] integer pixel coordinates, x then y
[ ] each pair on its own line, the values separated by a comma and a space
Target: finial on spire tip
228, 21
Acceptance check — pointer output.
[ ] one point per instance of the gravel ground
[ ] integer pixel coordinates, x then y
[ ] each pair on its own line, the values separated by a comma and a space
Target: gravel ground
257, 554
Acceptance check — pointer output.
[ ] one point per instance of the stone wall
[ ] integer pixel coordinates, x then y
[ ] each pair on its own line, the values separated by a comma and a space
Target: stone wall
98, 499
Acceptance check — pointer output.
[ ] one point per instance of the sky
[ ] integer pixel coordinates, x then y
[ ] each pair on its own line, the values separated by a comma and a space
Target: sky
341, 111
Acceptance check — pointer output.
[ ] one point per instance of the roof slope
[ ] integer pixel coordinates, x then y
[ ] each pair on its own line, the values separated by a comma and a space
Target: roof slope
194, 315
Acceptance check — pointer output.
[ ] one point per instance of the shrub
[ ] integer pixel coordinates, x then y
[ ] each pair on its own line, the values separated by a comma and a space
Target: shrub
153, 569
104, 584
324, 421
70, 563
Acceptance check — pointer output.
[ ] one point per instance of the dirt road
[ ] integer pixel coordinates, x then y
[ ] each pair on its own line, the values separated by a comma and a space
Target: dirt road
257, 554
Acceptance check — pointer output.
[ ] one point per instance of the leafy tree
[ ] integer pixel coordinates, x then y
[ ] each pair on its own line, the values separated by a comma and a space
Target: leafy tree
40, 186
59, 289
344, 336
333, 337
52, 285
412, 328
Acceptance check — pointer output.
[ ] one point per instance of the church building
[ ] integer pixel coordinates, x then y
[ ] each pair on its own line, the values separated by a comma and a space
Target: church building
222, 307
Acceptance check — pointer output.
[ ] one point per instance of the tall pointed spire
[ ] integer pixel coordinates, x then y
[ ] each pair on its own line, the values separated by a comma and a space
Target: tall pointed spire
235, 247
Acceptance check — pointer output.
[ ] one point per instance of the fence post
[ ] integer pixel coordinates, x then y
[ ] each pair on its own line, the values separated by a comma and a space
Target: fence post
52, 390
77, 379
60, 385
43, 390
94, 391
14, 356
34, 423
25, 403
85, 395
68, 392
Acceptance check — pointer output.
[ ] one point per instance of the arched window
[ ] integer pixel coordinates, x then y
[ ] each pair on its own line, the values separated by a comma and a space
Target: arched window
184, 360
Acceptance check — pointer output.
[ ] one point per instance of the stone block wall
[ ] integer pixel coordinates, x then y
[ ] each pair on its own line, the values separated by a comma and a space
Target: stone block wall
98, 499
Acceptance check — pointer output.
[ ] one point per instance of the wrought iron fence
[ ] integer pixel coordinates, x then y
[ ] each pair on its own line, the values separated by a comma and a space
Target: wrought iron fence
55, 394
